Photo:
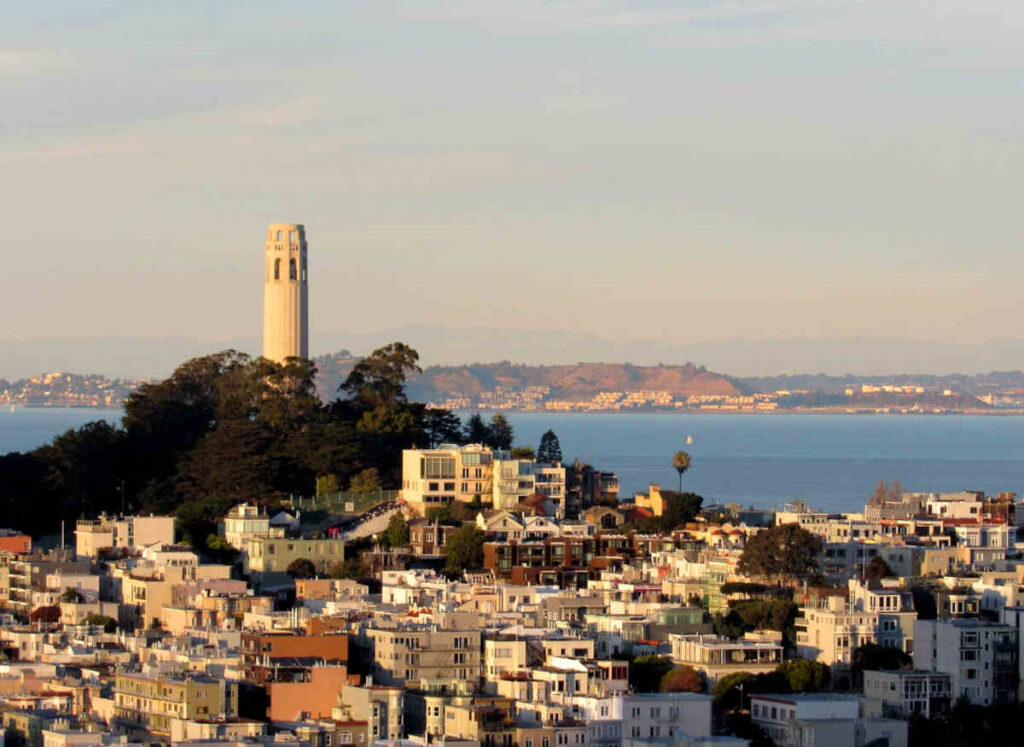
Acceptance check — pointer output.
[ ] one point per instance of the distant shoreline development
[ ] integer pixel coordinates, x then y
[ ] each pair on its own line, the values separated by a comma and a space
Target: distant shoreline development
604, 388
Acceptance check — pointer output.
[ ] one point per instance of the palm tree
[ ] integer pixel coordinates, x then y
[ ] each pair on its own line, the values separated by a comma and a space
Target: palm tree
681, 463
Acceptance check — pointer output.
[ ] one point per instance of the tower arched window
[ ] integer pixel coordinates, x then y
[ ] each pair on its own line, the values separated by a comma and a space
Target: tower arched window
277, 269
292, 271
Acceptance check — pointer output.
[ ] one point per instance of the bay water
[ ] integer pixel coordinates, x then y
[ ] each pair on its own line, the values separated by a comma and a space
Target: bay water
829, 461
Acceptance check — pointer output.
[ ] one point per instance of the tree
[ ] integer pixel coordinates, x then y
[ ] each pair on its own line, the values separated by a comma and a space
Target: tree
108, 624
397, 533
682, 679
500, 433
476, 431
450, 514
327, 484
47, 614
464, 550
680, 508
301, 568
71, 596
378, 380
877, 569
681, 463
805, 676
523, 452
646, 673
220, 550
441, 426
784, 553
871, 656
549, 450
367, 481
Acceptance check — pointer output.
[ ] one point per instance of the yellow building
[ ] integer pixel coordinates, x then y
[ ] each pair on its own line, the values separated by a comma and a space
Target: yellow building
153, 703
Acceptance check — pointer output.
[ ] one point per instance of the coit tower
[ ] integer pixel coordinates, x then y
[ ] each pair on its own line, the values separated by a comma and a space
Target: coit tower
285, 293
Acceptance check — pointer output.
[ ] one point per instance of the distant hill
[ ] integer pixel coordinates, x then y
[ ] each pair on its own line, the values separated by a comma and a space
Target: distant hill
579, 380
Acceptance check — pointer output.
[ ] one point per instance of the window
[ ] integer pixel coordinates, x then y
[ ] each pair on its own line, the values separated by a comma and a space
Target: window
277, 269
293, 273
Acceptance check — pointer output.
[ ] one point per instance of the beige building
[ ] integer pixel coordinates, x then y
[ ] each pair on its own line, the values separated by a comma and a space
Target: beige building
426, 658
132, 533
436, 477
153, 703
515, 479
285, 293
245, 522
378, 707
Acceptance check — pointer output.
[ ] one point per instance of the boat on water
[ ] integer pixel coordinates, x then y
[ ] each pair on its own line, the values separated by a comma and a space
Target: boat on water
689, 440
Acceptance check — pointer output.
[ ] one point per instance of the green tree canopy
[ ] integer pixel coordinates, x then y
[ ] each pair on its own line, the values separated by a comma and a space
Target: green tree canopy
366, 481
783, 554
397, 533
500, 433
549, 450
442, 427
108, 624
523, 452
464, 550
805, 676
647, 672
476, 431
301, 568
71, 596
378, 380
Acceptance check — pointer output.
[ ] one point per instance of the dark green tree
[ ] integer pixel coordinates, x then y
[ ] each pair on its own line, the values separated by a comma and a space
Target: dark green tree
378, 380
464, 550
442, 427
523, 452
397, 533
805, 676
872, 656
108, 624
877, 569
71, 596
784, 554
476, 431
646, 673
549, 450
500, 433
301, 568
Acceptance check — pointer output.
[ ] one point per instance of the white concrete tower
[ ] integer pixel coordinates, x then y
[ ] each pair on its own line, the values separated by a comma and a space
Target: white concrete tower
285, 293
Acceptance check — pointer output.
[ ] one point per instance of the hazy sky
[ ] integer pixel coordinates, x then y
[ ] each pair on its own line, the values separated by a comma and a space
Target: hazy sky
672, 171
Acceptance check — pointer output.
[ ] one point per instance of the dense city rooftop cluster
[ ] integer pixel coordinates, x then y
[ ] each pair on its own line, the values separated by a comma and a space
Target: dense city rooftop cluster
498, 601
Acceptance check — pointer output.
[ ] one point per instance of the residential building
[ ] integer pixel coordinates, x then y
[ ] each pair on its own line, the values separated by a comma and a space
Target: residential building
716, 656
981, 657
153, 703
427, 658
906, 692
435, 477
268, 558
801, 720
130, 533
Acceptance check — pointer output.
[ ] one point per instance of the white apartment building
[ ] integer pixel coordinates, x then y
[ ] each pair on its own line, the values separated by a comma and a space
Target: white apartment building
981, 657
245, 522
131, 533
964, 505
904, 692
436, 477
515, 479
445, 662
616, 718
716, 656
806, 719
831, 634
